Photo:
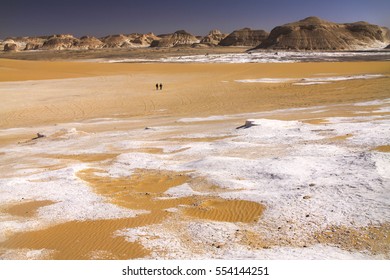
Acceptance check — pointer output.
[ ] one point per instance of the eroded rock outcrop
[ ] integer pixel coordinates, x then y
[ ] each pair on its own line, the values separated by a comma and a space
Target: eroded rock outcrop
313, 33
60, 42
179, 38
244, 37
10, 47
115, 41
144, 40
214, 37
88, 43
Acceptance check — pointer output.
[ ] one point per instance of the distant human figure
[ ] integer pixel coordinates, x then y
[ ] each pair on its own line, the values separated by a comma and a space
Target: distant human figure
160, 86
156, 86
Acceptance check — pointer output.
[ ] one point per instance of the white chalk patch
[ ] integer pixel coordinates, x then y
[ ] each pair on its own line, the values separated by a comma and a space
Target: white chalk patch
184, 190
325, 80
312, 81
206, 119
266, 80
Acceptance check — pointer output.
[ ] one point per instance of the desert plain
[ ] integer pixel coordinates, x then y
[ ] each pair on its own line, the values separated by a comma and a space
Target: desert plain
228, 160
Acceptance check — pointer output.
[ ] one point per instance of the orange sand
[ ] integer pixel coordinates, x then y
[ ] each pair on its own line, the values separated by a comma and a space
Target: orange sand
383, 149
27, 209
227, 210
127, 90
83, 157
375, 239
82, 240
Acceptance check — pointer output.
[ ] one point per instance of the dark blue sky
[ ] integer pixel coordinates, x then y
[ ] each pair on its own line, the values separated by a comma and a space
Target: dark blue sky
102, 17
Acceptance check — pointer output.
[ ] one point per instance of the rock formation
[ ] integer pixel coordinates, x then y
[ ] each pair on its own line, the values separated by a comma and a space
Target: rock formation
144, 40
34, 43
88, 43
15, 43
214, 37
10, 47
244, 37
31, 47
180, 37
115, 41
60, 42
313, 33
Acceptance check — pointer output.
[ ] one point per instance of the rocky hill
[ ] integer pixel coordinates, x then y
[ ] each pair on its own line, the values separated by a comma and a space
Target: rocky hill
313, 33
88, 43
244, 37
115, 41
10, 47
214, 37
59, 42
23, 43
66, 42
179, 38
144, 40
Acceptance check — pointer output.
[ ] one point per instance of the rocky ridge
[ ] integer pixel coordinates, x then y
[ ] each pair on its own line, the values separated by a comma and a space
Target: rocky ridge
214, 37
179, 38
313, 33
244, 37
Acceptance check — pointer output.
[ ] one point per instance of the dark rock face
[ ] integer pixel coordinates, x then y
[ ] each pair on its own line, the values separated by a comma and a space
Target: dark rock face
32, 46
316, 34
10, 47
244, 37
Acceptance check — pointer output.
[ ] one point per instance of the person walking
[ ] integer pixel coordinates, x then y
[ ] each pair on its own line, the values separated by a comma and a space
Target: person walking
160, 86
156, 86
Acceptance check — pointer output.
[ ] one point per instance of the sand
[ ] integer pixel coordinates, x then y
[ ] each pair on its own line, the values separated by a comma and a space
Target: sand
98, 90
27, 209
109, 133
